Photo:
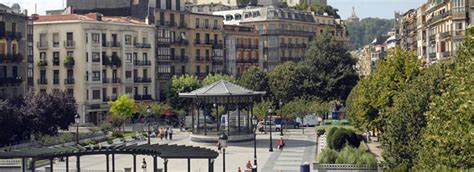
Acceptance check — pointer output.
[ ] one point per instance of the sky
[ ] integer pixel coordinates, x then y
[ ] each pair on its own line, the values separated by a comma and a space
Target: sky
364, 8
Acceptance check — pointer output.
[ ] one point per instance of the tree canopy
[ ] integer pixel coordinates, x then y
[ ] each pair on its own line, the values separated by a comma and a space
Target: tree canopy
211, 78
366, 30
184, 83
255, 78
319, 9
121, 109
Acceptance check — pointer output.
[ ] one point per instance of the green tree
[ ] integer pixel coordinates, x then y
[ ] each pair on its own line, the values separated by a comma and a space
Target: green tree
121, 109
211, 78
255, 78
11, 125
448, 137
366, 30
283, 81
185, 83
328, 70
319, 107
319, 9
261, 109
401, 139
375, 93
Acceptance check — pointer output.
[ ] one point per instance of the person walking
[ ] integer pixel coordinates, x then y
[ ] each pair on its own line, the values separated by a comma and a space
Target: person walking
143, 165
219, 146
170, 133
281, 143
167, 132
249, 165
162, 133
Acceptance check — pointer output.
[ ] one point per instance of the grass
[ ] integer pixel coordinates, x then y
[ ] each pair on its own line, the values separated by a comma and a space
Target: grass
128, 134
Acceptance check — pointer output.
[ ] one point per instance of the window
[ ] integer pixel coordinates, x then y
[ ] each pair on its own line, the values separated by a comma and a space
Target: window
197, 23
198, 69
207, 38
129, 57
145, 90
95, 75
198, 38
43, 56
55, 39
95, 94
145, 57
206, 23
168, 4
56, 77
178, 5
207, 70
70, 91
95, 38
128, 39
183, 69
56, 58
70, 53
128, 90
128, 74
95, 57
14, 71
215, 24
145, 73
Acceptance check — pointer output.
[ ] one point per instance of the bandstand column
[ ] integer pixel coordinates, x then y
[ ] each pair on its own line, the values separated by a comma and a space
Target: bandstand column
238, 118
211, 165
198, 115
78, 163
165, 164
23, 165
32, 165
113, 162
192, 117
228, 117
67, 163
155, 164
205, 123
189, 165
248, 119
134, 163
217, 114
107, 162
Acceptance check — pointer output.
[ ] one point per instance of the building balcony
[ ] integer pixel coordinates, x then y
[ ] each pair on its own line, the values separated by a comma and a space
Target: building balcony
69, 81
445, 54
105, 80
69, 44
432, 55
42, 81
180, 58
116, 80
182, 25
11, 58
247, 60
197, 41
11, 81
142, 45
180, 42
439, 17
163, 58
3, 34
56, 62
113, 44
246, 46
14, 35
42, 63
137, 97
200, 74
217, 46
142, 63
217, 61
445, 35
69, 62
141, 80
146, 97
163, 40
42, 45
164, 76
286, 32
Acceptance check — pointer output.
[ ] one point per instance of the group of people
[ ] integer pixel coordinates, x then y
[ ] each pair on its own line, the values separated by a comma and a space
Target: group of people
165, 133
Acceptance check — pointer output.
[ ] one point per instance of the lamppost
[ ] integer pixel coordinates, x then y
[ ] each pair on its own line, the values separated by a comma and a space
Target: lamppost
254, 123
217, 116
77, 120
281, 113
223, 142
270, 123
148, 110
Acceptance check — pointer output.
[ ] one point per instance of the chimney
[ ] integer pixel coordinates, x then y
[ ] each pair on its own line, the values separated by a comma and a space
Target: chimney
98, 16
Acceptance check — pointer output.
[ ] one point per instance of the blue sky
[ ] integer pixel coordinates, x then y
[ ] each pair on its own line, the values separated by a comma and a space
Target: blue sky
364, 8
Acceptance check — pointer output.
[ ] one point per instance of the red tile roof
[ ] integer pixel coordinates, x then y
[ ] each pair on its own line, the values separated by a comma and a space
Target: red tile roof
88, 17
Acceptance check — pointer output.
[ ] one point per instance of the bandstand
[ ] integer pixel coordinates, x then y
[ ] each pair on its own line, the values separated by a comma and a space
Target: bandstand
237, 103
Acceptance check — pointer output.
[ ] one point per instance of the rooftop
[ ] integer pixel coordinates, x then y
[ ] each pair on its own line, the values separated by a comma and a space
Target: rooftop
89, 17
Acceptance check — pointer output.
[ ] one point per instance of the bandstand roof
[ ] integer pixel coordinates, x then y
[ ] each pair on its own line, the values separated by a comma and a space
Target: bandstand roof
221, 88
163, 151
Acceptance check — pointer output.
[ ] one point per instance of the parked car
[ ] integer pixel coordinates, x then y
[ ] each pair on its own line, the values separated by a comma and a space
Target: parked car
265, 126
291, 124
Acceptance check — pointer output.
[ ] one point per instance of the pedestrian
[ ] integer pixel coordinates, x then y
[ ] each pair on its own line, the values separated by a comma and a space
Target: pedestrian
239, 170
167, 132
162, 133
143, 165
281, 143
219, 146
170, 133
249, 165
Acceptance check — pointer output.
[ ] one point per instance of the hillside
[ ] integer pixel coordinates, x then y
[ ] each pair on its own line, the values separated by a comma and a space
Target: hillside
364, 32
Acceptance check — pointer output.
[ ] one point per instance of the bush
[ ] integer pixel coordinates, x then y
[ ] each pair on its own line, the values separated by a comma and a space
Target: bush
338, 137
320, 132
117, 134
327, 156
348, 155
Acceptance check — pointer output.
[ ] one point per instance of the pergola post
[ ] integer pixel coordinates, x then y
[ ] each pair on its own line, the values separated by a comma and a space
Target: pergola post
23, 165
248, 119
51, 162
211, 165
67, 163
107, 163
205, 123
238, 118
189, 165
134, 163
113, 162
165, 164
228, 117
32, 165
78, 163
217, 114
155, 164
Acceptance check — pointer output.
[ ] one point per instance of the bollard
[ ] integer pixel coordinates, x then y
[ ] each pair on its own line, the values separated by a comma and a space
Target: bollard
304, 167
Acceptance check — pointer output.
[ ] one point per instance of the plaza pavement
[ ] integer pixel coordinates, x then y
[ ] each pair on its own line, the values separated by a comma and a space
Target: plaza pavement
299, 148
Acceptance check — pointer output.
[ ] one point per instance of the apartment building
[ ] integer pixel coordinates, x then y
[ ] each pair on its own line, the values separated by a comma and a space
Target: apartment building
188, 43
16, 51
95, 58
435, 30
284, 33
242, 48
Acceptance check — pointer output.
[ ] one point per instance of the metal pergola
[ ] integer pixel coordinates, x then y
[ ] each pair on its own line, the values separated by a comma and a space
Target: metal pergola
165, 152
230, 96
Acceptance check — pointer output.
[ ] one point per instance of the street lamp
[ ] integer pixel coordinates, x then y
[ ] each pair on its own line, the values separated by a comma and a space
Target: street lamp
148, 110
270, 123
77, 120
223, 142
254, 123
281, 113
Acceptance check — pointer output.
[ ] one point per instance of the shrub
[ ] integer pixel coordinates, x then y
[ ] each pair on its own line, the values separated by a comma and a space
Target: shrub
320, 132
367, 159
348, 155
117, 134
338, 137
327, 156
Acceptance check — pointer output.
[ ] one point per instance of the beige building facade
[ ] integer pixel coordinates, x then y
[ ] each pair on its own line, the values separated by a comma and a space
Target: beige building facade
94, 58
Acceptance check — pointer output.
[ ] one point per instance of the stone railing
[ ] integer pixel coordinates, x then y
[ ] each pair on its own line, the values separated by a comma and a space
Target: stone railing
342, 167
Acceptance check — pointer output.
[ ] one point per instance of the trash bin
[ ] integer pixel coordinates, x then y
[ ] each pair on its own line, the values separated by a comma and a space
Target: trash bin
304, 167
127, 169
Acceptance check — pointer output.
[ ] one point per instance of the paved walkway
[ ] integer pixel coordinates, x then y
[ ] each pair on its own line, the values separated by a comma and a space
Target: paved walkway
299, 148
